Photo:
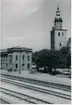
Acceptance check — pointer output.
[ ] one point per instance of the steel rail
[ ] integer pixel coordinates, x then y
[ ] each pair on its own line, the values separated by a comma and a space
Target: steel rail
46, 91
43, 83
4, 101
27, 97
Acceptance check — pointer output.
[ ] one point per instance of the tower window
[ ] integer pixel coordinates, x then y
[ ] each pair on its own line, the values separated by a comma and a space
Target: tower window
58, 33
62, 34
60, 44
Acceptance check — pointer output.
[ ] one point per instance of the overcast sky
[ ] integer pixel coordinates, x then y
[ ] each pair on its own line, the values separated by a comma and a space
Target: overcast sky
28, 23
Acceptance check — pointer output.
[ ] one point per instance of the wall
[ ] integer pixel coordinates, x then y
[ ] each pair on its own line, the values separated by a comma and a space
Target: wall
60, 39
52, 39
16, 61
8, 62
20, 60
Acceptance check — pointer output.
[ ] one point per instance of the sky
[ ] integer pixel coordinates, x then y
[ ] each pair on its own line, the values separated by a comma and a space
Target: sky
27, 23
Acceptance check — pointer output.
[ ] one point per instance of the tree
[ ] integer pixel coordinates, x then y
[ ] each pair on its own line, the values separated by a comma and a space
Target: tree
68, 57
65, 50
47, 58
52, 59
67, 54
34, 56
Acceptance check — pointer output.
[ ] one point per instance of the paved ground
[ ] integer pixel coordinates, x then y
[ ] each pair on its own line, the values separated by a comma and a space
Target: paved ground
41, 76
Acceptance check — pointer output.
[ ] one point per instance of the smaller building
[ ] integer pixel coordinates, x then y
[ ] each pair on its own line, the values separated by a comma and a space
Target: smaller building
16, 58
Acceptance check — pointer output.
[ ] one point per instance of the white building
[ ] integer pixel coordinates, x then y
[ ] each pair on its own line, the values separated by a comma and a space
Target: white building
58, 34
16, 58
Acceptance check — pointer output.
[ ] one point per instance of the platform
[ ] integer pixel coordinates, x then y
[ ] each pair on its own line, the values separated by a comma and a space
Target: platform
40, 76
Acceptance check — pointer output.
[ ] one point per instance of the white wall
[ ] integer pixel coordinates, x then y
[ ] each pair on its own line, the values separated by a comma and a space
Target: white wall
16, 61
60, 39
19, 61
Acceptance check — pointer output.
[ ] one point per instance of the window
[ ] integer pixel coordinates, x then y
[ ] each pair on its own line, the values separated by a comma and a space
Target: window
3, 58
16, 57
60, 44
23, 57
16, 66
23, 64
62, 34
28, 57
6, 65
28, 65
10, 56
58, 33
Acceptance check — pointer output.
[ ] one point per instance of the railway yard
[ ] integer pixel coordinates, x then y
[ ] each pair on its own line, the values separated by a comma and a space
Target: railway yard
21, 90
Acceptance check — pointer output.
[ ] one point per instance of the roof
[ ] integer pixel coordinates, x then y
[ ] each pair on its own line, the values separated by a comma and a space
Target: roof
62, 29
15, 49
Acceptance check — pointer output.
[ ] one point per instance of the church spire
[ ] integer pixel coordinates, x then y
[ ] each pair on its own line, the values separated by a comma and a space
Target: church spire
58, 20
58, 11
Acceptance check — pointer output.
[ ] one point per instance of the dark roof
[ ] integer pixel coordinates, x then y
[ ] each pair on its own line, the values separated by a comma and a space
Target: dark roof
53, 28
15, 49
58, 20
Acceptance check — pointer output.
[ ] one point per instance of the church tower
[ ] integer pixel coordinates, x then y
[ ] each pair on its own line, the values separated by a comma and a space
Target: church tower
58, 34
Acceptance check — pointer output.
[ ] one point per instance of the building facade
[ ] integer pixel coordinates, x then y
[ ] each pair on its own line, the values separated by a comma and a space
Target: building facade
16, 58
58, 34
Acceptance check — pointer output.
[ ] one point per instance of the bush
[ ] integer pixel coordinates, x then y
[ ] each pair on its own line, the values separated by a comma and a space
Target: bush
45, 70
55, 72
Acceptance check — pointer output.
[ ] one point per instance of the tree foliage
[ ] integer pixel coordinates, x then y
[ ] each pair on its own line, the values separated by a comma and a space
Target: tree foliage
52, 59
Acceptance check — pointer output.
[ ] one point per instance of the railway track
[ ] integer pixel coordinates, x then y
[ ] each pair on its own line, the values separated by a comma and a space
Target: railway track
23, 97
38, 89
4, 101
38, 82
